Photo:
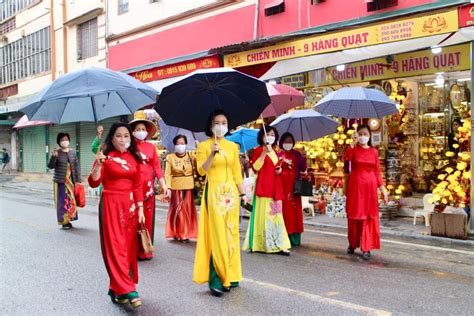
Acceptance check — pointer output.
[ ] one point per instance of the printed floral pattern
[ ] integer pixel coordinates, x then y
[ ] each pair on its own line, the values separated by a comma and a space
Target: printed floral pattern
274, 235
123, 163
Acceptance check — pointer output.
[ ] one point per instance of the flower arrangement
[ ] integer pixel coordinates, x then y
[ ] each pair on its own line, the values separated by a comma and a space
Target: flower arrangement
455, 180
396, 193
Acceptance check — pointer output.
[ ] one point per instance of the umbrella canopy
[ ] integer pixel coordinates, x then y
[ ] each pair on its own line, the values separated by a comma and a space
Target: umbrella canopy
188, 102
25, 122
89, 95
356, 102
305, 125
246, 137
167, 133
283, 98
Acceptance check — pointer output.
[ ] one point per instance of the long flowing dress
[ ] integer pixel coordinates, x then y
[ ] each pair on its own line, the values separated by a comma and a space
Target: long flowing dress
266, 231
292, 165
150, 169
362, 206
182, 218
66, 173
218, 245
118, 219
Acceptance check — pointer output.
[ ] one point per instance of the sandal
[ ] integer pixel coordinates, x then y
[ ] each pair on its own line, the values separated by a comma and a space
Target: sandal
117, 299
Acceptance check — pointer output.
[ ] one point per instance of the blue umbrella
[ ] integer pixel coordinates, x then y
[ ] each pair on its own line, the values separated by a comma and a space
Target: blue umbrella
246, 137
89, 95
305, 125
356, 102
187, 103
167, 133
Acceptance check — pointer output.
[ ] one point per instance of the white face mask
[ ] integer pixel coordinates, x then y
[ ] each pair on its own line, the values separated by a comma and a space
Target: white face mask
364, 140
64, 144
141, 135
287, 146
122, 147
271, 140
220, 130
180, 149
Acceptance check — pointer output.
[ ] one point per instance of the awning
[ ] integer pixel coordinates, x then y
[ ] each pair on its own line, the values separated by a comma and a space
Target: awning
160, 84
308, 63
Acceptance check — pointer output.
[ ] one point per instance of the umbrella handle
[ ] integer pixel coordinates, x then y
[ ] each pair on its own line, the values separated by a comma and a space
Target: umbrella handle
264, 129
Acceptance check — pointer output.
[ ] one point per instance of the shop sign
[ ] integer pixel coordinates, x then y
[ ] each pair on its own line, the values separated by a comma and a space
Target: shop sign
378, 33
466, 16
175, 70
295, 81
452, 58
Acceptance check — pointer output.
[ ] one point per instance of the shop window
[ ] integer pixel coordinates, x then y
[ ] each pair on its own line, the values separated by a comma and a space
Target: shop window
122, 6
374, 5
87, 40
275, 7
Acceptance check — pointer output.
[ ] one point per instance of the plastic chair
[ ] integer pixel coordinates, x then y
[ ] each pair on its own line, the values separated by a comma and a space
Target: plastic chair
428, 209
306, 205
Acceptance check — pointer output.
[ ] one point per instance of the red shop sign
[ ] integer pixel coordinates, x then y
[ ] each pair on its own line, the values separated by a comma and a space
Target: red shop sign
176, 70
466, 16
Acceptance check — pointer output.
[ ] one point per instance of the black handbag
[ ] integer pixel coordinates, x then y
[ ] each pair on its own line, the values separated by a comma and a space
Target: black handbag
303, 188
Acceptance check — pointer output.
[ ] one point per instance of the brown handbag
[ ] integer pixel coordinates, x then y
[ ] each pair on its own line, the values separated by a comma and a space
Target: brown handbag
144, 239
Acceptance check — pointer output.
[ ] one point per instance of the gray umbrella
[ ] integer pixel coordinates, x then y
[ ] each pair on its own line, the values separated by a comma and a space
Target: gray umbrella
356, 102
89, 95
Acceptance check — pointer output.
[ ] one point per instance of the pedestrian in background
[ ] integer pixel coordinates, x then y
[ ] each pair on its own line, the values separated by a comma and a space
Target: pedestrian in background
97, 140
266, 231
118, 168
67, 173
5, 160
151, 170
218, 245
365, 184
293, 166
182, 218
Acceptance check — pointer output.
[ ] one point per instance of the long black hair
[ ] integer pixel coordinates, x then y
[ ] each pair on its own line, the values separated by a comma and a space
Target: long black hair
364, 126
261, 135
210, 120
109, 146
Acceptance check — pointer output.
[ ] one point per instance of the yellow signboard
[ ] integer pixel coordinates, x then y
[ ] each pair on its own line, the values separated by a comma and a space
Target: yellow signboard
378, 33
453, 58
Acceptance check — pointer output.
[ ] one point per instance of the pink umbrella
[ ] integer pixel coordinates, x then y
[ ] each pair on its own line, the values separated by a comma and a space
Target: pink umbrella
283, 99
25, 122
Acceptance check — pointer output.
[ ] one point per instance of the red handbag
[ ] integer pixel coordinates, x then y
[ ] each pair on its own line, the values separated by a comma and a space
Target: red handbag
80, 195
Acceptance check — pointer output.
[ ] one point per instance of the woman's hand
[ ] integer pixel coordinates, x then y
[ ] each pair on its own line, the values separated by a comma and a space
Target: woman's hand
245, 200
355, 139
278, 170
167, 192
215, 148
268, 148
54, 153
141, 215
100, 157
385, 196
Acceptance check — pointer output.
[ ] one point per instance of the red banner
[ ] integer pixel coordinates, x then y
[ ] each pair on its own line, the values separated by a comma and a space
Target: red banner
466, 16
175, 70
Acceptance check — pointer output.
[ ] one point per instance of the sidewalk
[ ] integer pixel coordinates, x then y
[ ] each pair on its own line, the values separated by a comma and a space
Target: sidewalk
401, 227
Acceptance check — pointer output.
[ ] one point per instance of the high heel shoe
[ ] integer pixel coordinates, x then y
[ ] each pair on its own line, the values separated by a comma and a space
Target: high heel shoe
350, 250
117, 299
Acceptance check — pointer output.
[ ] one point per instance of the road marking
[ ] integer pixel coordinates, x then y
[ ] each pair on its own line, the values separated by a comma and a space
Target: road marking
321, 299
465, 252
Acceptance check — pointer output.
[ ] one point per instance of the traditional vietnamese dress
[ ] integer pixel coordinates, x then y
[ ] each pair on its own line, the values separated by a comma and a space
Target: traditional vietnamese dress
266, 231
150, 169
118, 220
362, 205
293, 164
218, 244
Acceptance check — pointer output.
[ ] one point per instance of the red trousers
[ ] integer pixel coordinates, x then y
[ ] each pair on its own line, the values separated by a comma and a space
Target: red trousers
118, 221
364, 233
149, 212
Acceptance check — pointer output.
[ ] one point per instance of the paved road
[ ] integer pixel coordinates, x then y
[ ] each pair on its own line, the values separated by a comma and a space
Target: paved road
48, 271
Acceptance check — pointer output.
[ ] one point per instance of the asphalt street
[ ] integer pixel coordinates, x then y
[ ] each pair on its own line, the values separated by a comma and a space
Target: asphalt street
49, 271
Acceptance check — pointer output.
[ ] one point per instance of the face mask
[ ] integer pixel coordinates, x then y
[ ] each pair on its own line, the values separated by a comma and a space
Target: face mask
141, 135
122, 147
271, 140
220, 130
287, 147
180, 149
64, 144
364, 140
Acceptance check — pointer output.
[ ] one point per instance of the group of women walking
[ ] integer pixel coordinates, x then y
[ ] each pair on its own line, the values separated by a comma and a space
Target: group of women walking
126, 166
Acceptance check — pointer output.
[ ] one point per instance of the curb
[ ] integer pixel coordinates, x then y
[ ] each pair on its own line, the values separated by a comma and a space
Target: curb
383, 232
406, 235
